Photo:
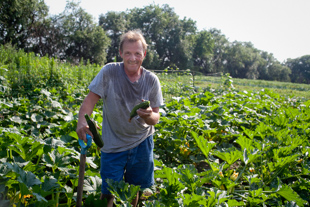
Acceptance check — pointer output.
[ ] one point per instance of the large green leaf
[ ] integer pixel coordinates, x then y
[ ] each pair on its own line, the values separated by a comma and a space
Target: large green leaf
250, 156
190, 179
230, 157
203, 144
193, 200
92, 184
123, 191
29, 179
290, 195
244, 142
56, 160
50, 184
16, 119
36, 118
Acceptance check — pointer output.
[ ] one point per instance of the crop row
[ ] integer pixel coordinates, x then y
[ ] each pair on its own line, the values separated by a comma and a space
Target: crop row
213, 147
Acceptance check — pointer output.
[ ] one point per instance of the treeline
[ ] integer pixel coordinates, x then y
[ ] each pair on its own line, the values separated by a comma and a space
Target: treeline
73, 36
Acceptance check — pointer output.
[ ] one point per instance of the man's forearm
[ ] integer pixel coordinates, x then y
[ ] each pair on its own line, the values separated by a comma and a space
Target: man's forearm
88, 105
150, 115
153, 119
86, 108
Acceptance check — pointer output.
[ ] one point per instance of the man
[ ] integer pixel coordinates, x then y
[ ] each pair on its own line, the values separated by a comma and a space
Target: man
128, 146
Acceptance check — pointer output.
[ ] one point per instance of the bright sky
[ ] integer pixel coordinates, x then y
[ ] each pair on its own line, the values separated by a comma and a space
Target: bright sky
280, 27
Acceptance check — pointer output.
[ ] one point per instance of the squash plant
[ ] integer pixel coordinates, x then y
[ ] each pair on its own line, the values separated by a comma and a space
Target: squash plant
214, 147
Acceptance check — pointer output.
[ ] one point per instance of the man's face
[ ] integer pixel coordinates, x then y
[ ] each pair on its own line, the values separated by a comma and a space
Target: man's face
133, 56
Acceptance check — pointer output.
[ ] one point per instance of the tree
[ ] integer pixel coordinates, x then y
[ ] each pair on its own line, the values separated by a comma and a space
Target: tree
81, 37
203, 49
47, 38
243, 60
271, 69
17, 19
278, 72
300, 69
115, 24
264, 68
218, 59
166, 35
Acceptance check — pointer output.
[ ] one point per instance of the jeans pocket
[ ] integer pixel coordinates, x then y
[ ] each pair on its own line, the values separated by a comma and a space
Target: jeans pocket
151, 142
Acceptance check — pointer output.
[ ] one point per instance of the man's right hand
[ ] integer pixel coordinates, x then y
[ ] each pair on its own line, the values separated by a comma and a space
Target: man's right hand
82, 129
86, 108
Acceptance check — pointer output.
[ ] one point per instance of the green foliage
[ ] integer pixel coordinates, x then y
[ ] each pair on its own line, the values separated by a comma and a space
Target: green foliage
214, 146
115, 24
26, 74
85, 40
123, 192
245, 138
166, 34
18, 19
73, 36
300, 69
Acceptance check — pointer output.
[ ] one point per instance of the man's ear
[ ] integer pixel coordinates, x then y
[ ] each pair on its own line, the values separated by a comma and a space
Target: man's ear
120, 53
144, 53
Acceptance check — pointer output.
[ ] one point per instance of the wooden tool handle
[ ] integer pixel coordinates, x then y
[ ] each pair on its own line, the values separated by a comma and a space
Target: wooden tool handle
81, 181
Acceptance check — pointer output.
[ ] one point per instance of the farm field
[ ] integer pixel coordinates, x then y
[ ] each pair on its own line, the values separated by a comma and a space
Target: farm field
220, 141
282, 88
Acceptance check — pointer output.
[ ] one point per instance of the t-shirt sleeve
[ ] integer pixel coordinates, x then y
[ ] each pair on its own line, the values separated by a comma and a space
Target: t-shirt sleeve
156, 94
99, 83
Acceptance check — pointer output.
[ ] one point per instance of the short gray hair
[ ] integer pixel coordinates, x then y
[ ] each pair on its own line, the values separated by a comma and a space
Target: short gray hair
133, 36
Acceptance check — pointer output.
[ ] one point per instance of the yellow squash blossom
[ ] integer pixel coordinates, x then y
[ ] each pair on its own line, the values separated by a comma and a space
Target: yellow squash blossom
221, 174
234, 176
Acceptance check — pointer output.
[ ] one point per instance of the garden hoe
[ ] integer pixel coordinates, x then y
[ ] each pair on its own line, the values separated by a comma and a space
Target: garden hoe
82, 169
98, 141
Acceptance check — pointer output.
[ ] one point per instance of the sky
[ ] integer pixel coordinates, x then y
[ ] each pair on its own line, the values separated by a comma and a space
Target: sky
280, 27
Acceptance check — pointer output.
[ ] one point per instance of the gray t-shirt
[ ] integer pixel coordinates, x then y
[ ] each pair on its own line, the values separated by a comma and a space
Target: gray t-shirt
119, 96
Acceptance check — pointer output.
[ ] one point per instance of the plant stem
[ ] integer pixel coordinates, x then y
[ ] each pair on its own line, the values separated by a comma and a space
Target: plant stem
245, 191
240, 174
57, 199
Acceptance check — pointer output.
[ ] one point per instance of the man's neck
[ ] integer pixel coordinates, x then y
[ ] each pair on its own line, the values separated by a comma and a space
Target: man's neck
133, 77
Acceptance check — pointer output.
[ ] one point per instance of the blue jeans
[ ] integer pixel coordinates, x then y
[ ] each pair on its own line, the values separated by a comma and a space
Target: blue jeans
136, 166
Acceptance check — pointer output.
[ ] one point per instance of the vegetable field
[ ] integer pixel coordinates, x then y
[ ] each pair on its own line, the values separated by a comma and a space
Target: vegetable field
214, 146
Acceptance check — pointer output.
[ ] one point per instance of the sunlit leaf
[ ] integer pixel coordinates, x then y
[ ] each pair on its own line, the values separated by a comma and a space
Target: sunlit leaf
123, 191
49, 184
36, 118
92, 184
205, 145
230, 157
289, 194
16, 119
29, 179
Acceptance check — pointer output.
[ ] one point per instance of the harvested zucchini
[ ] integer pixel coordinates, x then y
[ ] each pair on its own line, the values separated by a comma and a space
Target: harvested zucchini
143, 105
93, 128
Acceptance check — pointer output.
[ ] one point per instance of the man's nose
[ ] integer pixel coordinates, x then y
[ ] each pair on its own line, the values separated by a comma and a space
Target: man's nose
132, 57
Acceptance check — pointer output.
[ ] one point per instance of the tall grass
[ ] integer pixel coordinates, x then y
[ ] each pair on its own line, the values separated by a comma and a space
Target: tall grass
282, 88
23, 72
176, 83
